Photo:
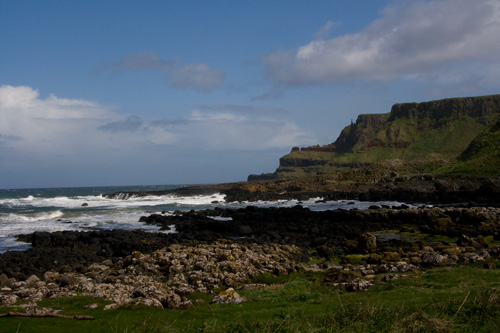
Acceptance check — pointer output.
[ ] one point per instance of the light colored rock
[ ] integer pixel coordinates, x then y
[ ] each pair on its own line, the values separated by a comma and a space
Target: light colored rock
63, 294
32, 281
359, 285
41, 311
434, 259
91, 306
18, 285
111, 306
150, 302
99, 268
50, 276
173, 301
188, 269
470, 257
228, 296
8, 299
108, 263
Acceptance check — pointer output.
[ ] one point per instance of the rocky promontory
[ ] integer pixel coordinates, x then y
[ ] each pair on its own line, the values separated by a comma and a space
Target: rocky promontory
427, 131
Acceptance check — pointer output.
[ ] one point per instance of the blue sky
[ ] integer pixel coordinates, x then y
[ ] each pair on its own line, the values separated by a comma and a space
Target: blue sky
175, 92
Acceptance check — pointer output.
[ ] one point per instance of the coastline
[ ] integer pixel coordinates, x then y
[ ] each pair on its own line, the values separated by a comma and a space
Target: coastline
416, 188
396, 237
219, 251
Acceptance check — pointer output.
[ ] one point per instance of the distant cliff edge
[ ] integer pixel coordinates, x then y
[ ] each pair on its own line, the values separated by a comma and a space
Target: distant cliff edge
463, 131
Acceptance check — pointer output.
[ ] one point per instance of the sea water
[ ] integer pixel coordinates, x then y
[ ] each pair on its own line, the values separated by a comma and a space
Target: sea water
23, 211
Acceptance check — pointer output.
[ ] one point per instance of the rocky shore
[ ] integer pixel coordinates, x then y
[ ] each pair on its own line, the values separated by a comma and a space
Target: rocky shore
220, 250
162, 279
383, 181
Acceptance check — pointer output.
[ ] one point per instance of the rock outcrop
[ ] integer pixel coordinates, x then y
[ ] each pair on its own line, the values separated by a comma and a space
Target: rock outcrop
161, 279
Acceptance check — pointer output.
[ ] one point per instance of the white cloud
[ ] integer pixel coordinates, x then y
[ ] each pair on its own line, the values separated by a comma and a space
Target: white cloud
197, 76
326, 29
198, 116
49, 126
17, 96
222, 130
67, 127
410, 38
55, 141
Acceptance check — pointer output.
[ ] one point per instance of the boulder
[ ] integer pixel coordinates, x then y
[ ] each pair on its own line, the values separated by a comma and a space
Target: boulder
245, 230
173, 301
228, 296
8, 299
359, 285
434, 259
368, 243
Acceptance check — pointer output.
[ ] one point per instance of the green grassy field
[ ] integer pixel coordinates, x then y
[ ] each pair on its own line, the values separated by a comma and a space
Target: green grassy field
481, 156
460, 298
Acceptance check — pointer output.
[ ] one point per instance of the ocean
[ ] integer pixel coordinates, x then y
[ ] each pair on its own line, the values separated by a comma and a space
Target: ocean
23, 211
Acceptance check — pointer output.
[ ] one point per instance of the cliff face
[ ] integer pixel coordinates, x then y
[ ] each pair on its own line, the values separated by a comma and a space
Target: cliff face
436, 130
361, 132
452, 107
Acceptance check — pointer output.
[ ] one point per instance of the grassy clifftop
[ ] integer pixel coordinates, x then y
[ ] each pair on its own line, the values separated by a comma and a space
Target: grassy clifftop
430, 131
481, 156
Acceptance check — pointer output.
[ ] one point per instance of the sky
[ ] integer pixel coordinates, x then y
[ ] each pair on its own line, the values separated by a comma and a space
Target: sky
106, 93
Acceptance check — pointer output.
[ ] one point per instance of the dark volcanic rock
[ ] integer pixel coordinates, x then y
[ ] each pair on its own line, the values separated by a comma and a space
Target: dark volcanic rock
333, 232
72, 249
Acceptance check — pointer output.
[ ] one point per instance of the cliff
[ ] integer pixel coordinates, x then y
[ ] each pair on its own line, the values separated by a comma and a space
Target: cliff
430, 131
447, 108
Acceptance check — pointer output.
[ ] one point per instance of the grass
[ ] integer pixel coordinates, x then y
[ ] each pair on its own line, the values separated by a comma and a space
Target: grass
457, 298
481, 157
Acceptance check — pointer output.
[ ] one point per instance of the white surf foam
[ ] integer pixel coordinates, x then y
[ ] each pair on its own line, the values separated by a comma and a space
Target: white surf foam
34, 213
31, 217
102, 202
316, 204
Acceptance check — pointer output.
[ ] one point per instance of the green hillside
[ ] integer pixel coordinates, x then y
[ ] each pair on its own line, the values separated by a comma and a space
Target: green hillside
482, 156
429, 131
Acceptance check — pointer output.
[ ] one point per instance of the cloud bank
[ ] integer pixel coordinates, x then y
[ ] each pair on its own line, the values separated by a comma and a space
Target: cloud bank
410, 38
55, 141
56, 126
